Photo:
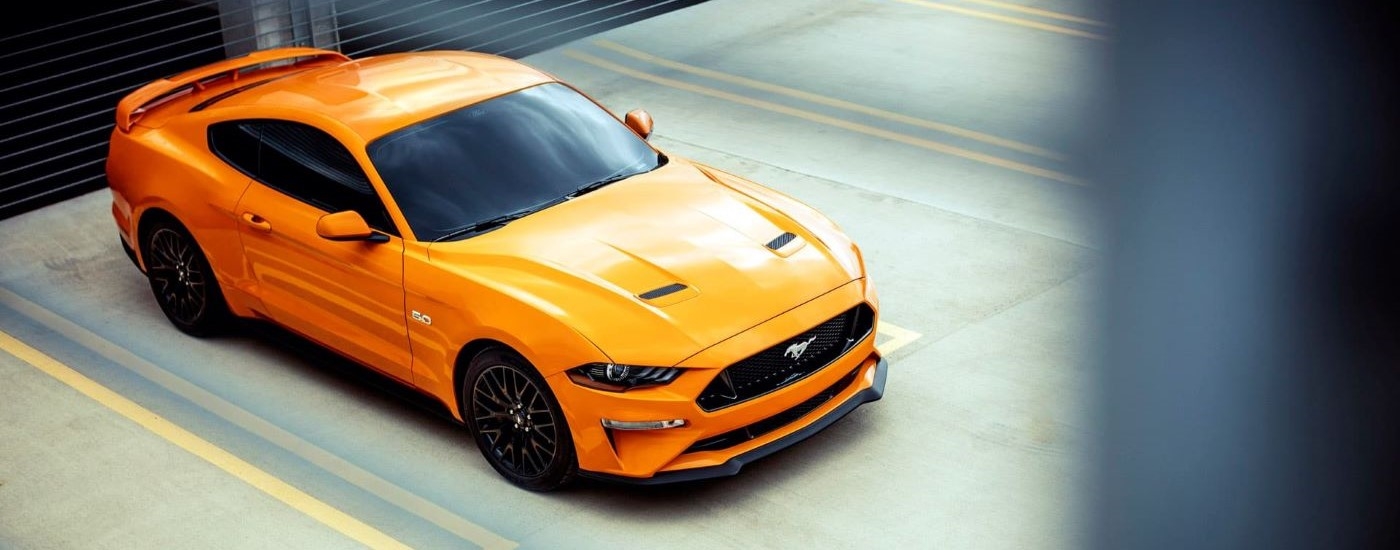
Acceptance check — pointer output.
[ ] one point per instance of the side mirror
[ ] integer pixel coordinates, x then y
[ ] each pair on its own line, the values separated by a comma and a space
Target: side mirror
640, 122
347, 226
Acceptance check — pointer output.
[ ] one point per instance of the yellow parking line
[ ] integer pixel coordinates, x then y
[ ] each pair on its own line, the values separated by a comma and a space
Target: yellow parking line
828, 120
1040, 12
829, 101
1006, 19
237, 467
899, 337
331, 463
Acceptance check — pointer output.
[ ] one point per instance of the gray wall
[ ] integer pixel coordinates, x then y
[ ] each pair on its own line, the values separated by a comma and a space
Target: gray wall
63, 69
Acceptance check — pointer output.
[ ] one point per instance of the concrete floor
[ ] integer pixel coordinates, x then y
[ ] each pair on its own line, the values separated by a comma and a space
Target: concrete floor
970, 243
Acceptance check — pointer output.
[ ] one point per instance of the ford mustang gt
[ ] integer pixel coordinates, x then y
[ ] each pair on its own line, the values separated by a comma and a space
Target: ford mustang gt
583, 302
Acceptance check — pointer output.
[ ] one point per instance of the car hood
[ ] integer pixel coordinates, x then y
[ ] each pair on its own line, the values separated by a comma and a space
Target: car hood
657, 267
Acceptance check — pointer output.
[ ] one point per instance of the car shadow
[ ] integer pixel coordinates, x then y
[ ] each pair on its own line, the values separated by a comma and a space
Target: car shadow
428, 417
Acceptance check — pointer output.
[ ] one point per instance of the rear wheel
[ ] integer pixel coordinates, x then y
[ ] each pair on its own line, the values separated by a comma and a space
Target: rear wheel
516, 421
182, 281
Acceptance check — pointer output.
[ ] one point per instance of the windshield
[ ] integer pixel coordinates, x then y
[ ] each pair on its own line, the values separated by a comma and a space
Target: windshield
507, 155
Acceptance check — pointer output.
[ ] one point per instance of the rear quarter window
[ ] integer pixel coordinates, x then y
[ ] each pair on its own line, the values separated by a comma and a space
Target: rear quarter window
301, 162
237, 144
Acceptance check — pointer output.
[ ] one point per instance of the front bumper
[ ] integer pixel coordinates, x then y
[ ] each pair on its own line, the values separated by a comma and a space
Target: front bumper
721, 439
730, 467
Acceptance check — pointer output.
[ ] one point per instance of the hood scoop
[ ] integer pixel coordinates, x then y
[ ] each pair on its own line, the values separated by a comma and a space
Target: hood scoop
785, 244
663, 291
669, 294
780, 241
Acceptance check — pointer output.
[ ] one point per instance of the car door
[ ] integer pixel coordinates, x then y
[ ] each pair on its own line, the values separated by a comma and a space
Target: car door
346, 295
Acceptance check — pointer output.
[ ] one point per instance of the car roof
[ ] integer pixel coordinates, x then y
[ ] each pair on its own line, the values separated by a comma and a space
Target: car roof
377, 95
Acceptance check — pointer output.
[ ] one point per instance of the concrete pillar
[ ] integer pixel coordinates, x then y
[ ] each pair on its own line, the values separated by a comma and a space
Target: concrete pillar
323, 23
250, 25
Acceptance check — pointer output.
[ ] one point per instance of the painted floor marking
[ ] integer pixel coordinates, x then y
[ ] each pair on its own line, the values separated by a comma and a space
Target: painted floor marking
330, 462
1005, 19
1041, 12
899, 337
829, 101
828, 120
213, 454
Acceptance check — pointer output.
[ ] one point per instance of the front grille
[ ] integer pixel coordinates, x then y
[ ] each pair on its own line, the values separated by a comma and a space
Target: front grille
758, 429
789, 361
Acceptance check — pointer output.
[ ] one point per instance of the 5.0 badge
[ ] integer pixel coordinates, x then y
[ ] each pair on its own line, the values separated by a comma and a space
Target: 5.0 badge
421, 317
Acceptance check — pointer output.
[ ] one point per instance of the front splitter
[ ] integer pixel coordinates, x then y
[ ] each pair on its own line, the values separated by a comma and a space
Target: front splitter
734, 465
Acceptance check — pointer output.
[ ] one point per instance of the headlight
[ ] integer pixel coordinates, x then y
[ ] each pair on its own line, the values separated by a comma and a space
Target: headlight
610, 377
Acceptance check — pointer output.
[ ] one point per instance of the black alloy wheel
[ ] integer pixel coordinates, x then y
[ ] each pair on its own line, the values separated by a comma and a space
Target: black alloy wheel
517, 423
182, 281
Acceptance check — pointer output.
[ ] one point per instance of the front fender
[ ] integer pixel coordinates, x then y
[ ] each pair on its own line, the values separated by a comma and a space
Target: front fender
449, 310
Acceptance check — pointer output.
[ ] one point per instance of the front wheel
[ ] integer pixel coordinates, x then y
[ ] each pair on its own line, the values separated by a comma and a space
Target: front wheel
182, 281
516, 421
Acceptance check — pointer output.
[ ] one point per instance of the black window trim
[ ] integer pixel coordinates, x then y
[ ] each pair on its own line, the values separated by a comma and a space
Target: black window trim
209, 144
392, 230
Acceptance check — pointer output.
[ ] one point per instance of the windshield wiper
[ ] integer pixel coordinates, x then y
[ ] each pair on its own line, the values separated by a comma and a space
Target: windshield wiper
619, 176
497, 222
482, 226
500, 221
599, 184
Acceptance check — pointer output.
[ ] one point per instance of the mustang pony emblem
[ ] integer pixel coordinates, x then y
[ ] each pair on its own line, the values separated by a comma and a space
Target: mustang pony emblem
795, 351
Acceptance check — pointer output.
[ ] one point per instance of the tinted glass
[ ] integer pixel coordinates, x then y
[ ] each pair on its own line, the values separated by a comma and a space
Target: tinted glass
311, 166
503, 155
237, 144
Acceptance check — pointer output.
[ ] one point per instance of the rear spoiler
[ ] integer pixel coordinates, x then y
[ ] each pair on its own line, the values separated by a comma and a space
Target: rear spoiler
130, 108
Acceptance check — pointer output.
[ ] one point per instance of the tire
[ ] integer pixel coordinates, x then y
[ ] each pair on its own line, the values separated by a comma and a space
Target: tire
516, 421
182, 281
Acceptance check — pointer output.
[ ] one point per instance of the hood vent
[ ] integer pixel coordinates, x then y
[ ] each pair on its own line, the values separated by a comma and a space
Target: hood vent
663, 291
780, 241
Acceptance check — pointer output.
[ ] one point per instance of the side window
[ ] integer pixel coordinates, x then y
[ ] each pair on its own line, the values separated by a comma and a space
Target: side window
313, 167
237, 143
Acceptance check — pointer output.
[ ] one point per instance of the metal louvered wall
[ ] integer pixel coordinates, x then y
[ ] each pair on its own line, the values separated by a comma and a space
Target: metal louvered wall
62, 73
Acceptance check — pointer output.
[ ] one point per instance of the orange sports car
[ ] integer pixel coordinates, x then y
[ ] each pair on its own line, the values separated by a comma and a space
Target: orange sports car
488, 235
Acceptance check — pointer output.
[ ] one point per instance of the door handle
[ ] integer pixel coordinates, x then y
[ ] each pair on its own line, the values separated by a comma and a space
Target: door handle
257, 222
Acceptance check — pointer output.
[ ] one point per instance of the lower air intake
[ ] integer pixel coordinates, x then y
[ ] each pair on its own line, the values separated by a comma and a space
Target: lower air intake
759, 429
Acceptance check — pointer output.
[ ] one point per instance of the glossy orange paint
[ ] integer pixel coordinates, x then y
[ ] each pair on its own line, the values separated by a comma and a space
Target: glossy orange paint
560, 287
